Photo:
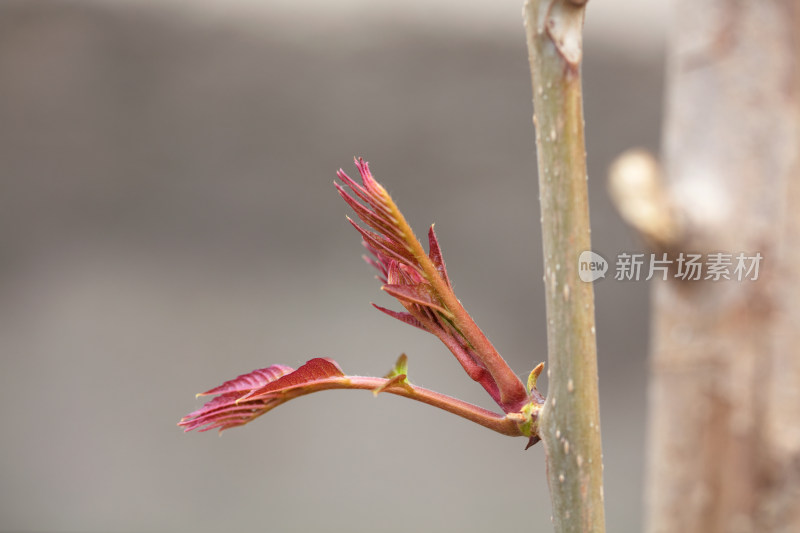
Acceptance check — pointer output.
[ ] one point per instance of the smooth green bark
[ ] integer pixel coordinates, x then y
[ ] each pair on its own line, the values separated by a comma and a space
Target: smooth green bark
570, 423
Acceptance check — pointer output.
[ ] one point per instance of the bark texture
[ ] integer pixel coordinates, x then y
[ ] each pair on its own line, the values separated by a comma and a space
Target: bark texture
569, 424
724, 440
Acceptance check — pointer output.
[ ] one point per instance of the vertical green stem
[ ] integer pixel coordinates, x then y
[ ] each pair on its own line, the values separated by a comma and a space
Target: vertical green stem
570, 422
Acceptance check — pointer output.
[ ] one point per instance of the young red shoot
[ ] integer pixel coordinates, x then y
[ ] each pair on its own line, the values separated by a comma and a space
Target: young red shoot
419, 281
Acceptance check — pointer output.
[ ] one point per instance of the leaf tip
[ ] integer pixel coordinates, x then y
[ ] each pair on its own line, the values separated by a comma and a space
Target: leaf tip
400, 367
534, 376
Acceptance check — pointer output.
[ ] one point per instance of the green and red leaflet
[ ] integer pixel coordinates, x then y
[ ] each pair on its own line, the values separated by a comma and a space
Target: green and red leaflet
419, 281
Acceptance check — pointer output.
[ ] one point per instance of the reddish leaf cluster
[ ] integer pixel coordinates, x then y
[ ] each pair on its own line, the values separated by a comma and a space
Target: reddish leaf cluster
419, 281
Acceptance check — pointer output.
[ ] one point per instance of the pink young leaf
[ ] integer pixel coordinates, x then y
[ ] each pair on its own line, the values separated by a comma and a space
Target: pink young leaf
381, 246
251, 395
314, 372
419, 294
377, 219
248, 382
408, 318
436, 255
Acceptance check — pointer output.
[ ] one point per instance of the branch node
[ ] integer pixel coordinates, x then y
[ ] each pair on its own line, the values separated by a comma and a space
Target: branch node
638, 192
565, 27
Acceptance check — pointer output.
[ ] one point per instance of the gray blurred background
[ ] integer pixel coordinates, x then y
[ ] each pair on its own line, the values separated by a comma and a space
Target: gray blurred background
168, 221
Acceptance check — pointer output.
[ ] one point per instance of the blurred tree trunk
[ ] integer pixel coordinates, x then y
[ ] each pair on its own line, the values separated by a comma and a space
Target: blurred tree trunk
724, 438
